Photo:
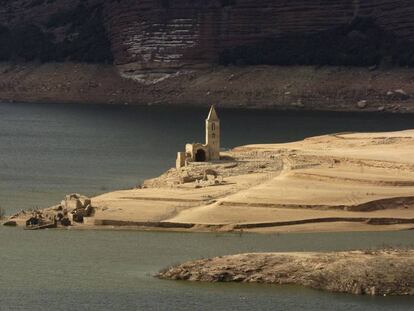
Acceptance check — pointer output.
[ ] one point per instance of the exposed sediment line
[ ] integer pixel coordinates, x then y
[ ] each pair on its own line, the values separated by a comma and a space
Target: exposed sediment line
164, 199
176, 225
320, 177
371, 221
125, 223
313, 87
374, 205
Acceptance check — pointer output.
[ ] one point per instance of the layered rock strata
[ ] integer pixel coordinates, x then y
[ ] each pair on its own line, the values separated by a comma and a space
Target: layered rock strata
176, 33
170, 34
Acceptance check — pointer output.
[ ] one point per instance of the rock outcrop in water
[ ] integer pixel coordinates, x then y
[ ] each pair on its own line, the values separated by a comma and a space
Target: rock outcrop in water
360, 272
171, 34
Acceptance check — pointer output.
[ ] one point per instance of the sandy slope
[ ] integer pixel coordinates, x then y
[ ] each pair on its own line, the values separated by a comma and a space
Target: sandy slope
335, 182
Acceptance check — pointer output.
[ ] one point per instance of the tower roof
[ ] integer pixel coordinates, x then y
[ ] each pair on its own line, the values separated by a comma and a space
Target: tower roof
212, 115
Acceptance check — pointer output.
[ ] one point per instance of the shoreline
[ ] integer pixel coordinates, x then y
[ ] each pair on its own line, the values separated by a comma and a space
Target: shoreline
337, 227
275, 108
224, 229
300, 226
296, 88
288, 230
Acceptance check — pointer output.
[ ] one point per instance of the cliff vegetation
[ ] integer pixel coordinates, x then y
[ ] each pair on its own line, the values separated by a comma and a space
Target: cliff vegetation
172, 34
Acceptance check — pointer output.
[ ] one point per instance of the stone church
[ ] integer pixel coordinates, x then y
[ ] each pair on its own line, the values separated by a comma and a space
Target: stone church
210, 151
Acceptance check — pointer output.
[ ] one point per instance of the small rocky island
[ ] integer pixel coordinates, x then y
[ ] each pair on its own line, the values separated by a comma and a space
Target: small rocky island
382, 272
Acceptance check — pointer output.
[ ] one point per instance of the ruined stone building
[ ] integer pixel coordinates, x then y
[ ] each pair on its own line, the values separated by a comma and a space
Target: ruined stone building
210, 151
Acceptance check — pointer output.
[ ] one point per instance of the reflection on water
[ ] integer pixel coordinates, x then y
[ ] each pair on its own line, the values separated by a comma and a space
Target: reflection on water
48, 150
101, 270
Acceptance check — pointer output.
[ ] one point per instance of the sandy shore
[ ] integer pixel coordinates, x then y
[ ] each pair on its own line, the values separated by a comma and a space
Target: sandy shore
338, 182
379, 273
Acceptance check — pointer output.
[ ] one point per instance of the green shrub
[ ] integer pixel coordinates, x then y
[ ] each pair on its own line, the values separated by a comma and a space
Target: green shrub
86, 39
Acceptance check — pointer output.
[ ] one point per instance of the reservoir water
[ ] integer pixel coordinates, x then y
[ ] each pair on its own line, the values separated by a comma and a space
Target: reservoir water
103, 270
47, 151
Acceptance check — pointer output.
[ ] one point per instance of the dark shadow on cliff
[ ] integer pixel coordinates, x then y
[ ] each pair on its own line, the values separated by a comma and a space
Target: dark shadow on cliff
85, 38
361, 43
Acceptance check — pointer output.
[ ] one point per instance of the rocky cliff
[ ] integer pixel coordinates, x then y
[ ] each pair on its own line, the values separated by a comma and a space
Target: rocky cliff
174, 33
171, 34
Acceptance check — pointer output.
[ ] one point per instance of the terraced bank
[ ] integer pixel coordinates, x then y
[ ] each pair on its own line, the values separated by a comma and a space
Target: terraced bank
338, 182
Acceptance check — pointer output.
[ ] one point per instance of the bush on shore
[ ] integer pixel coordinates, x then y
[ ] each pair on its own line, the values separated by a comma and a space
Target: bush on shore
85, 39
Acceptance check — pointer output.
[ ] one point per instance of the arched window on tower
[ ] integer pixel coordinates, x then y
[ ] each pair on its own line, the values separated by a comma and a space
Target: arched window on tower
213, 126
213, 136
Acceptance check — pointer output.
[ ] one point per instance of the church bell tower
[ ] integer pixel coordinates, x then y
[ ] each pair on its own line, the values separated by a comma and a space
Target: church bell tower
213, 134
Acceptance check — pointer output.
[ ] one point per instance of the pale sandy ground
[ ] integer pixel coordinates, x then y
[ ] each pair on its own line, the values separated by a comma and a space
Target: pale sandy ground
341, 182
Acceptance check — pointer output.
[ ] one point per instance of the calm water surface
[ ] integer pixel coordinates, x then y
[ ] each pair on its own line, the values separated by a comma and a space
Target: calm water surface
47, 151
101, 270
